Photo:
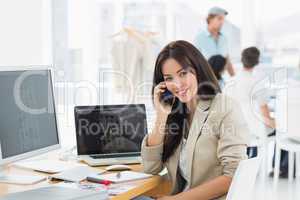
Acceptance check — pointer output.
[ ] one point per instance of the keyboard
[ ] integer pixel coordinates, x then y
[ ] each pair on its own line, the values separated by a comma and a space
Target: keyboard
101, 160
117, 157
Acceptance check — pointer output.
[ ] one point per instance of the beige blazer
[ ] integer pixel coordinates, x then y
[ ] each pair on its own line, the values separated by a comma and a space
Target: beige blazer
217, 141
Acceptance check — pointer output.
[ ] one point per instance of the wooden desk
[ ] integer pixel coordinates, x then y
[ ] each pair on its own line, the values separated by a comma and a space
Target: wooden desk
154, 186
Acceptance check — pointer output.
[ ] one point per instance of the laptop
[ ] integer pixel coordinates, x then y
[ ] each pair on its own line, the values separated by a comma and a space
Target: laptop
110, 134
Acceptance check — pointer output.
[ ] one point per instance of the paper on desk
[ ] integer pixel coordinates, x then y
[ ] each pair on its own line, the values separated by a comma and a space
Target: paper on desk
123, 176
84, 186
113, 190
76, 174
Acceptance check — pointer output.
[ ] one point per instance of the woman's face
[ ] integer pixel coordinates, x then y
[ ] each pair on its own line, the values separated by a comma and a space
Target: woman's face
182, 83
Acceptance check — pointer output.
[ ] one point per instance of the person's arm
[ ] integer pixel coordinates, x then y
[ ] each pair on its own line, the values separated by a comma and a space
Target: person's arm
268, 120
212, 189
156, 137
229, 67
152, 148
152, 145
162, 112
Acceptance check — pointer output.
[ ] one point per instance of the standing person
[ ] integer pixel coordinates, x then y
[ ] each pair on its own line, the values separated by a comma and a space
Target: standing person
250, 93
211, 41
200, 136
217, 64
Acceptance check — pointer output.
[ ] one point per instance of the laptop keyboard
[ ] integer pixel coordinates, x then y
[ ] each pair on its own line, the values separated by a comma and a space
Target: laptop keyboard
118, 156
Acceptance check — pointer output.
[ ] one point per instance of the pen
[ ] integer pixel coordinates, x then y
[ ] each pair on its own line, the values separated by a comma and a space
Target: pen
103, 182
118, 175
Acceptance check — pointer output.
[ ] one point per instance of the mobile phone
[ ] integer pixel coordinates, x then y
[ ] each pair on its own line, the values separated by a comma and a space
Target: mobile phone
167, 97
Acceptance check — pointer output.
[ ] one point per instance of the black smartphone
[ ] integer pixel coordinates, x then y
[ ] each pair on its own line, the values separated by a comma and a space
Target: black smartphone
167, 97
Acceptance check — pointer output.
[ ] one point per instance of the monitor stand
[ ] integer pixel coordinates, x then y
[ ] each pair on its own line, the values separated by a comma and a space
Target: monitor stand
19, 179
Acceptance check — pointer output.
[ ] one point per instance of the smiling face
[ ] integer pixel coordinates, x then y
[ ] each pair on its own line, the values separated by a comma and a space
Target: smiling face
181, 82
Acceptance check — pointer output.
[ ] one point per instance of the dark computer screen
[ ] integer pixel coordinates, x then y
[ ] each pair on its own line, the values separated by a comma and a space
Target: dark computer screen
110, 129
27, 115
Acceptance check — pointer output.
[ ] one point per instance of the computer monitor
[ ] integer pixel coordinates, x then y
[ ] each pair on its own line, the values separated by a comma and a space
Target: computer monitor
28, 123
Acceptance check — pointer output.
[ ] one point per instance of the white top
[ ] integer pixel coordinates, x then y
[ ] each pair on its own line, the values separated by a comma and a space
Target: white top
251, 93
183, 162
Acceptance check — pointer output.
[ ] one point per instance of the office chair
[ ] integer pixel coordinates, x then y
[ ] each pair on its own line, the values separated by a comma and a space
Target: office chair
244, 180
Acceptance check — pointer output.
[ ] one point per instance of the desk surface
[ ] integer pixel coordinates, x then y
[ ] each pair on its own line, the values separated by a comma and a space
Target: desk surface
155, 185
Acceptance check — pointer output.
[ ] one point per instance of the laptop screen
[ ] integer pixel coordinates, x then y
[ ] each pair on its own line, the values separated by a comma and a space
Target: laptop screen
110, 129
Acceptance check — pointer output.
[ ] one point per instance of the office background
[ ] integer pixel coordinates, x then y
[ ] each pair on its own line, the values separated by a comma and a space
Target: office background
77, 37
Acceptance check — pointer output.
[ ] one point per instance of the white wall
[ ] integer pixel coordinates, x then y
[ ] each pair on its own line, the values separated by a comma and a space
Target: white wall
25, 32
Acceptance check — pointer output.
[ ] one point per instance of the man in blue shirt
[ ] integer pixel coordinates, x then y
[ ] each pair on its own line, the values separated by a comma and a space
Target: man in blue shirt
211, 41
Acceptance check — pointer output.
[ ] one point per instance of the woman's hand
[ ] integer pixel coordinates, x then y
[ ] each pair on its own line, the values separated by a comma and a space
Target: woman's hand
161, 108
162, 112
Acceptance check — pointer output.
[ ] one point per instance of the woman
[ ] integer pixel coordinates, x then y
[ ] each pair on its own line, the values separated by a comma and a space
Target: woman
199, 135
217, 63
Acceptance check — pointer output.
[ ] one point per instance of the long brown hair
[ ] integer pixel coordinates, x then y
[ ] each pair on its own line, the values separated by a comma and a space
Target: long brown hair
187, 56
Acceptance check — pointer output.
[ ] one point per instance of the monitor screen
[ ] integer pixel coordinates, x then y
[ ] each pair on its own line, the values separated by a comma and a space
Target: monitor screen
110, 129
27, 112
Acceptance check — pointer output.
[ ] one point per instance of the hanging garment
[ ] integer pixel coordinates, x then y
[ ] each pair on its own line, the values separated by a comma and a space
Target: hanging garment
133, 61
